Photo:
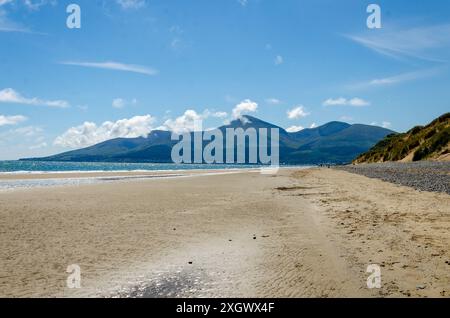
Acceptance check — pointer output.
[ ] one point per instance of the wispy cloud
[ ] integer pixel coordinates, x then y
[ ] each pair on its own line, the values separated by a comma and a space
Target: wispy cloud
116, 66
37, 4
38, 146
418, 42
278, 60
131, 4
273, 101
243, 2
215, 114
29, 4
3, 2
346, 118
8, 25
121, 103
399, 78
384, 124
9, 95
11, 120
341, 101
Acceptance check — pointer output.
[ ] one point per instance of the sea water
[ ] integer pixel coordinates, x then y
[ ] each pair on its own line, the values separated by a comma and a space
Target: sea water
65, 167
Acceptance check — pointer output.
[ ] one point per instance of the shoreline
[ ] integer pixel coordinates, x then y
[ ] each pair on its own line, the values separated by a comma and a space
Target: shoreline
20, 181
51, 180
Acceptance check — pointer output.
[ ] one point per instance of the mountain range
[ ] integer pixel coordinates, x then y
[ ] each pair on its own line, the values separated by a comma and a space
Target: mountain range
430, 142
335, 143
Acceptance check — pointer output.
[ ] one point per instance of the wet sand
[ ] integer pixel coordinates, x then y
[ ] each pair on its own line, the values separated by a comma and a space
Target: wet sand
131, 174
300, 233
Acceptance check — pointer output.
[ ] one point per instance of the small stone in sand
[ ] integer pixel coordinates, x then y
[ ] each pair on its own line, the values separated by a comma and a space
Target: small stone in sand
190, 263
420, 287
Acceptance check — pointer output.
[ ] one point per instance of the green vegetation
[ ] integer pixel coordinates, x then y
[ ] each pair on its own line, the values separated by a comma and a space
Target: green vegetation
420, 143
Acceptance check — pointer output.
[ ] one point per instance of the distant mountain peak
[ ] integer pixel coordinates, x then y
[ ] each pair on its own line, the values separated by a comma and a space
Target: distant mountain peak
247, 121
334, 142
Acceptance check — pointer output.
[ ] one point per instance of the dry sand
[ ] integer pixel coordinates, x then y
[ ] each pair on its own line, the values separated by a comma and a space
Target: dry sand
307, 233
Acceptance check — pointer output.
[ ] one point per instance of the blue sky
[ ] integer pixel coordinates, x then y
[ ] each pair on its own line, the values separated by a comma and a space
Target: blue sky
138, 65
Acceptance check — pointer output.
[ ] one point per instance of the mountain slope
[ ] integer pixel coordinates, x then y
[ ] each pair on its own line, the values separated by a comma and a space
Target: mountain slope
334, 142
429, 142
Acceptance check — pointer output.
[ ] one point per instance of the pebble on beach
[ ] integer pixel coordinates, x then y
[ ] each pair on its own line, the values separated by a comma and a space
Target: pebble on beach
423, 175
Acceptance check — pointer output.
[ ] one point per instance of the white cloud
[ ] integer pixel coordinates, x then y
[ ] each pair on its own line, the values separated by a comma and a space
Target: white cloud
116, 66
341, 101
118, 103
131, 4
335, 101
246, 106
219, 114
7, 25
189, 121
386, 124
230, 99
313, 125
18, 139
9, 95
37, 4
3, 2
28, 131
358, 102
400, 78
121, 103
176, 29
243, 2
90, 133
294, 129
273, 101
38, 146
297, 112
417, 42
346, 118
278, 60
175, 43
11, 120
30, 4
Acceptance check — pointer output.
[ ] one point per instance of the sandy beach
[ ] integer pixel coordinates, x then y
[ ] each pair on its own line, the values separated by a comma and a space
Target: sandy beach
299, 233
